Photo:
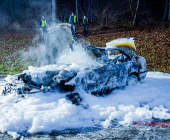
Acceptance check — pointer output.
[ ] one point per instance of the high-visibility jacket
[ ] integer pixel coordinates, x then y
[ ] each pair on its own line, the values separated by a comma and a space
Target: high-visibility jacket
74, 19
87, 21
43, 23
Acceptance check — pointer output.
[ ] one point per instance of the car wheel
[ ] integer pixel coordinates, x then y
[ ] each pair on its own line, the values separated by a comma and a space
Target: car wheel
132, 80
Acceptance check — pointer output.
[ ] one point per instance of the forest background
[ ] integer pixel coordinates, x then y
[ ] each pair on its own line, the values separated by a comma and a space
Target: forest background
148, 21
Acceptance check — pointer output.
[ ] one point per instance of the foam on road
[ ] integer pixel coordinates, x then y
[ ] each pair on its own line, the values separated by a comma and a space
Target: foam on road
44, 112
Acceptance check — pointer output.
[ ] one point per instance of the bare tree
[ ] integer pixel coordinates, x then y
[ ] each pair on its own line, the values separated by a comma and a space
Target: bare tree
165, 10
11, 7
54, 9
77, 11
169, 12
130, 5
91, 11
135, 13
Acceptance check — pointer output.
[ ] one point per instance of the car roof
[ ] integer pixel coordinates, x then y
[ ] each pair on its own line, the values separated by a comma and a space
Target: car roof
102, 48
109, 49
121, 49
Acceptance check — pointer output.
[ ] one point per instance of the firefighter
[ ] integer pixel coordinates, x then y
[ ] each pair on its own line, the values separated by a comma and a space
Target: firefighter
85, 25
73, 21
43, 27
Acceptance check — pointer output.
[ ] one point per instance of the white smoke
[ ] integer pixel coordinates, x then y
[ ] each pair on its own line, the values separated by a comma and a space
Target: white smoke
58, 48
78, 56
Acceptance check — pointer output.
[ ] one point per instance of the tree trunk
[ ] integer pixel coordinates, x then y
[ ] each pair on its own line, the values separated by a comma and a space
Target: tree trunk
149, 5
165, 11
169, 12
84, 7
91, 11
11, 7
54, 10
97, 5
130, 5
135, 13
77, 11
145, 7
81, 10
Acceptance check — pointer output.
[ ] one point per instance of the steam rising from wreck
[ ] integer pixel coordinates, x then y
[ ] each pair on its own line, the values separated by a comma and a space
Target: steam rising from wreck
59, 47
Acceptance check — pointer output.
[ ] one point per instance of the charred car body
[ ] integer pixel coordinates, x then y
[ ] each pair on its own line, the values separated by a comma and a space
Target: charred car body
117, 67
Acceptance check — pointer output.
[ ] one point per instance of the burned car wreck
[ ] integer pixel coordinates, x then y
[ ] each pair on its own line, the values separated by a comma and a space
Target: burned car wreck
115, 68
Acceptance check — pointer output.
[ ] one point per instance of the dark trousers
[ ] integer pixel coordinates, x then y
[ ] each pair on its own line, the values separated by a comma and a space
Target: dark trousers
43, 32
73, 28
86, 28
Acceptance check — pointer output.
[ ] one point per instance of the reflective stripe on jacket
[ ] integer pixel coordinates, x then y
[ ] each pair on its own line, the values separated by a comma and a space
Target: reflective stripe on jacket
43, 23
87, 21
74, 19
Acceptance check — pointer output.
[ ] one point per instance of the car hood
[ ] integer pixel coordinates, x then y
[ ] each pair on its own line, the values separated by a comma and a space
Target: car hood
125, 44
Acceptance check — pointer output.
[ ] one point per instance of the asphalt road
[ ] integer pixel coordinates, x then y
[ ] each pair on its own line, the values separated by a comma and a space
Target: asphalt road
121, 133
